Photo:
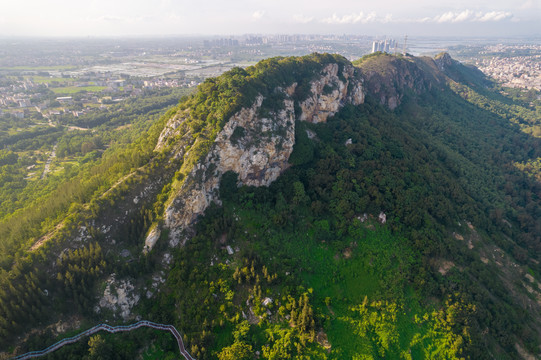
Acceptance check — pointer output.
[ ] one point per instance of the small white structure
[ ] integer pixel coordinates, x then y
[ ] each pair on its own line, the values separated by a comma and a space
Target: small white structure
362, 218
382, 217
267, 301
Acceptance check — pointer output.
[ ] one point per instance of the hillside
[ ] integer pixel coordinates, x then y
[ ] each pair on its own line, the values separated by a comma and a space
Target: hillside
306, 206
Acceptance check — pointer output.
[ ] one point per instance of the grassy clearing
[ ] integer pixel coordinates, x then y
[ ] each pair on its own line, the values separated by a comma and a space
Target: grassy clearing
76, 89
346, 276
49, 80
368, 262
39, 68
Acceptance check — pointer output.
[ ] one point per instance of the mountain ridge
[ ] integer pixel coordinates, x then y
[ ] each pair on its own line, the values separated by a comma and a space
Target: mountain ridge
276, 174
256, 147
405, 75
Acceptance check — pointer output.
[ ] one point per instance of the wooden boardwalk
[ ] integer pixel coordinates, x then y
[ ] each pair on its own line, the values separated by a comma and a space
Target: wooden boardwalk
111, 329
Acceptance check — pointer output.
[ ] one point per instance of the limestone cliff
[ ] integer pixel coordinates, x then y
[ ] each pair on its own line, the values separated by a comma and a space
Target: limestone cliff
255, 148
255, 143
329, 93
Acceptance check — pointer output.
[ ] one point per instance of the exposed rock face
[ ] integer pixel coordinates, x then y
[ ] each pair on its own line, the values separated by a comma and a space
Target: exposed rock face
260, 153
257, 149
152, 237
330, 93
119, 296
255, 146
171, 129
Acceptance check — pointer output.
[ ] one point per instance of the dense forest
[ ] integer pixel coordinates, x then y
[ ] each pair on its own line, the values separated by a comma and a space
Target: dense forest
395, 234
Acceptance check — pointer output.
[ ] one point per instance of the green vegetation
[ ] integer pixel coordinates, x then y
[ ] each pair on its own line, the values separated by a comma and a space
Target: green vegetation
49, 79
95, 170
76, 150
394, 234
39, 68
431, 169
219, 98
106, 346
301, 256
76, 89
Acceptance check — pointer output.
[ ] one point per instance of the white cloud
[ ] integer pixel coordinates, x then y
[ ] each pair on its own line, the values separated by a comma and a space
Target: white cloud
464, 16
387, 19
530, 4
495, 16
301, 19
454, 17
468, 15
258, 14
351, 18
174, 18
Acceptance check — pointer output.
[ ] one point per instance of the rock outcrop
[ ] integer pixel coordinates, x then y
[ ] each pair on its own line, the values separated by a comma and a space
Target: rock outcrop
329, 93
444, 61
257, 149
389, 78
255, 146
152, 236
119, 297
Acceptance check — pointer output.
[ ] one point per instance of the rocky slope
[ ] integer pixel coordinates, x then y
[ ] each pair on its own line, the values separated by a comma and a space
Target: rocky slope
389, 78
255, 144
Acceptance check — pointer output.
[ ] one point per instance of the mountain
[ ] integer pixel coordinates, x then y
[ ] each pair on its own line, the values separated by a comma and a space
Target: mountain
257, 141
304, 206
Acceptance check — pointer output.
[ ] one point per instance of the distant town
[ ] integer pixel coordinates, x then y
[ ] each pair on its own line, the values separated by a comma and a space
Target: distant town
516, 66
50, 93
53, 77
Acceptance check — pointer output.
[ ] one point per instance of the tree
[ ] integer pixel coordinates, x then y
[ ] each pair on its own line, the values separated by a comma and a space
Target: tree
237, 351
99, 349
299, 197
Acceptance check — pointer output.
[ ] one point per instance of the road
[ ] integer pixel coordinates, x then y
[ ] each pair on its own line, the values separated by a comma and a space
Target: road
111, 329
46, 169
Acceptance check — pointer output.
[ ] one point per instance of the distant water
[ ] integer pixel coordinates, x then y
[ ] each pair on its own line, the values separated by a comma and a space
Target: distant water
424, 45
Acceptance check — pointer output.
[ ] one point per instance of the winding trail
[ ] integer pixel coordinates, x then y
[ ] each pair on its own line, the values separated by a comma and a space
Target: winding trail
111, 329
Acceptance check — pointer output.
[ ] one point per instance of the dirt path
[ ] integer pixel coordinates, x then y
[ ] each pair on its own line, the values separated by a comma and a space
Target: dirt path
47, 167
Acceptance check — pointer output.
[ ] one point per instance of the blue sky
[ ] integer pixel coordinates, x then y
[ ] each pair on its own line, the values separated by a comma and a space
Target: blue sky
223, 17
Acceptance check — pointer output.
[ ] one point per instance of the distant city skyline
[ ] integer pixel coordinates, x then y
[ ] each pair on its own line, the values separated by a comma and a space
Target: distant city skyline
216, 17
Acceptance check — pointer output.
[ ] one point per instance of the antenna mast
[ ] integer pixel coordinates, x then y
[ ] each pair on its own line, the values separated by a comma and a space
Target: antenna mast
405, 45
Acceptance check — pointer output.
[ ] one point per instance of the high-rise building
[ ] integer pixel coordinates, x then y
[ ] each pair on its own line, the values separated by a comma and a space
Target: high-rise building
388, 45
